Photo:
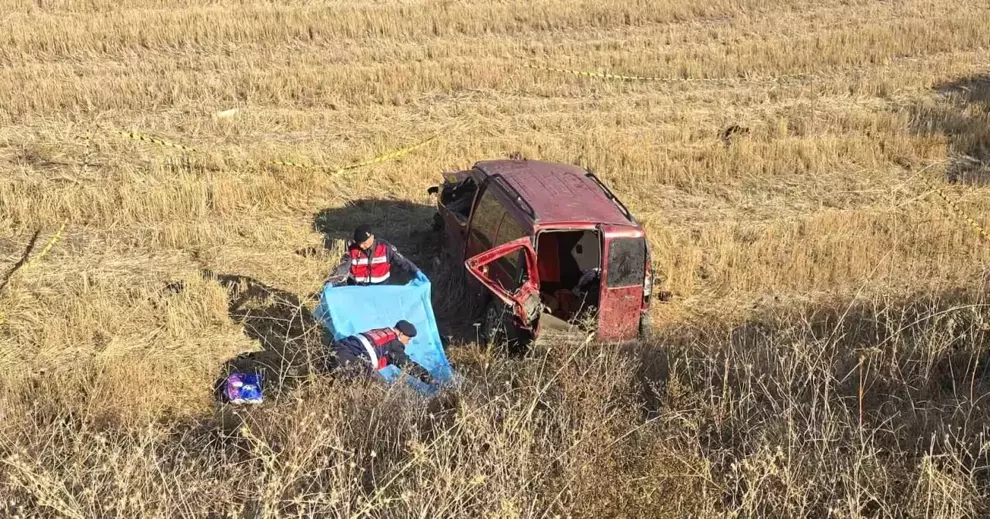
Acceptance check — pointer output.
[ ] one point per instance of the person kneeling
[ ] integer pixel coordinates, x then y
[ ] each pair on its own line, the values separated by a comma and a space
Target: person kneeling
375, 349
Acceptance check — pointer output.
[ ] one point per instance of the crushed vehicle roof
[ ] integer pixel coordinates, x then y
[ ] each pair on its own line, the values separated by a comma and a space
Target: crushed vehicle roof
557, 193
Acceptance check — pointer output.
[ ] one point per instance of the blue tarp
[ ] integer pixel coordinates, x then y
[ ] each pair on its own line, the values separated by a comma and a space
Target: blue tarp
347, 310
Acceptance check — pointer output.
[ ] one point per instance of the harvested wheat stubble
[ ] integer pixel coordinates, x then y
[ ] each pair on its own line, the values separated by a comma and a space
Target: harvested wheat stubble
824, 353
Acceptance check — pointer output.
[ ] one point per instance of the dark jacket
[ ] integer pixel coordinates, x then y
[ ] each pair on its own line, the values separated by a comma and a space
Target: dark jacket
387, 348
395, 259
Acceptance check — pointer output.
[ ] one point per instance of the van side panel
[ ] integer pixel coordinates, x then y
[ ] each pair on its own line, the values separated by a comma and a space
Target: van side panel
492, 224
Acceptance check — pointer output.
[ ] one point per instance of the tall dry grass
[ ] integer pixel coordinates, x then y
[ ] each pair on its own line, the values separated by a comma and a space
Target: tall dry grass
823, 354
870, 408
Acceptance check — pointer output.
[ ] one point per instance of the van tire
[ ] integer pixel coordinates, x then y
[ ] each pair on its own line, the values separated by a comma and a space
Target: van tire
493, 322
498, 328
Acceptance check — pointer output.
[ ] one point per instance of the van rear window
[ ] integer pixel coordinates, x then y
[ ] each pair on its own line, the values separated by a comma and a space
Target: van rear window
626, 262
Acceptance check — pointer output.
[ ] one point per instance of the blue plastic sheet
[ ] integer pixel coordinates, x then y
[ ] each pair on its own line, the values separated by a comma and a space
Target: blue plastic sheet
348, 310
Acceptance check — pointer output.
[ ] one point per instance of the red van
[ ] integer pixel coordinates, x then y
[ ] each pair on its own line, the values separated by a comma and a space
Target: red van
552, 245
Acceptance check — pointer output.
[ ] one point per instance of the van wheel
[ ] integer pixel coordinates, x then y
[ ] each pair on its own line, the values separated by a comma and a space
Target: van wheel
493, 325
497, 327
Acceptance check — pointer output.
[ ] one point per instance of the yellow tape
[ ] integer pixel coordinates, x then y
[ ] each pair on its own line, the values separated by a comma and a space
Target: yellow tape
148, 138
380, 158
389, 156
375, 160
25, 266
600, 75
48, 247
959, 213
606, 75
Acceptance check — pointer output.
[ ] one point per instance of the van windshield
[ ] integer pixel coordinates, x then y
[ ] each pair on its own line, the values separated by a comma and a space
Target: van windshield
626, 262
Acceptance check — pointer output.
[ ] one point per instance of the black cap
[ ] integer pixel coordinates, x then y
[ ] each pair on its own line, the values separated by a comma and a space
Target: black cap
406, 328
361, 233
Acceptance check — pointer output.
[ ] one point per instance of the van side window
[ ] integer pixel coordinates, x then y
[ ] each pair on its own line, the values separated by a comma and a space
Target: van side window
457, 198
484, 223
509, 231
626, 262
512, 265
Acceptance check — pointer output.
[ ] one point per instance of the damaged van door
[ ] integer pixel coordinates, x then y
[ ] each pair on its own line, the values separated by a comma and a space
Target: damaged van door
523, 298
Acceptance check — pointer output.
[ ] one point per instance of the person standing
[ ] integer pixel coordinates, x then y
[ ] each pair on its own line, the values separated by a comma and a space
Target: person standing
369, 261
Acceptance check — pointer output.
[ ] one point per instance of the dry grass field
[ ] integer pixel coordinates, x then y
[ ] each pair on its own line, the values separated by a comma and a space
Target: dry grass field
825, 353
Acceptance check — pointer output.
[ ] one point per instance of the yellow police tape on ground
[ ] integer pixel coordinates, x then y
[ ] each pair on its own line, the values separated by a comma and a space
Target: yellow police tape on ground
48, 247
375, 160
148, 138
952, 206
380, 158
606, 75
957, 211
27, 265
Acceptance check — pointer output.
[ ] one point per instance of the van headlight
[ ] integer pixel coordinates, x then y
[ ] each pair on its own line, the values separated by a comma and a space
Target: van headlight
648, 284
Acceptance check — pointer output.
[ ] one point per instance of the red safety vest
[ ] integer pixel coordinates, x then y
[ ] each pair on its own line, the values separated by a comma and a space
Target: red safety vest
374, 342
374, 269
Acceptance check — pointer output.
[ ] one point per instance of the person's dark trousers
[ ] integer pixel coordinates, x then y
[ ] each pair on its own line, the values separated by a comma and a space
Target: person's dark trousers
347, 363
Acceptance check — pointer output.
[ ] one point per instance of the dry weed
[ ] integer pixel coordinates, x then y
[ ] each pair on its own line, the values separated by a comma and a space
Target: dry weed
824, 354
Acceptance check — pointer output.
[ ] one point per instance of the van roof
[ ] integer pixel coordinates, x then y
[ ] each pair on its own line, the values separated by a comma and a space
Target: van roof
557, 193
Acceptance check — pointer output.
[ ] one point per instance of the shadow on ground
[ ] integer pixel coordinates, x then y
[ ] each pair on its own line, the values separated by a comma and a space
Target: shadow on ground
409, 226
292, 340
962, 114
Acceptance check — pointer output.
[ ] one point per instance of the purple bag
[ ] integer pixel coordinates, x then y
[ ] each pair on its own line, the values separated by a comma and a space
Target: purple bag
243, 388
